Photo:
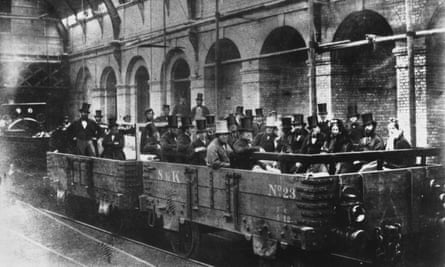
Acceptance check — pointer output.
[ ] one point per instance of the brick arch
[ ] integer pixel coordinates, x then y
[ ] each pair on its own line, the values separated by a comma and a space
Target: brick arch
284, 79
364, 75
137, 75
435, 75
230, 93
108, 83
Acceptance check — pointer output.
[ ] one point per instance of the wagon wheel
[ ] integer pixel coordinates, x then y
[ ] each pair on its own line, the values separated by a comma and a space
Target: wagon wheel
186, 241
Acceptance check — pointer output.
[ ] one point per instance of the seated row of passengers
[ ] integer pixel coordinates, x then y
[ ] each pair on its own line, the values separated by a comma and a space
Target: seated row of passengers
230, 142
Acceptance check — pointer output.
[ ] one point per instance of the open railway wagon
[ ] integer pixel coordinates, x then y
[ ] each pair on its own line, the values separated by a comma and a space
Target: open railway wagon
90, 185
362, 217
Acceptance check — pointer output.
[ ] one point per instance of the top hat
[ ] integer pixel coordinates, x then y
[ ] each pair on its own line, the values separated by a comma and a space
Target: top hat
221, 127
201, 125
172, 121
210, 119
259, 112
231, 120
98, 114
270, 122
367, 119
186, 122
352, 111
246, 124
85, 108
166, 106
239, 110
298, 119
148, 110
312, 121
199, 96
249, 113
322, 109
286, 122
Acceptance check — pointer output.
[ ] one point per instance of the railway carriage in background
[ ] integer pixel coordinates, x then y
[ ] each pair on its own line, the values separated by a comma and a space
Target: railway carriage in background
363, 217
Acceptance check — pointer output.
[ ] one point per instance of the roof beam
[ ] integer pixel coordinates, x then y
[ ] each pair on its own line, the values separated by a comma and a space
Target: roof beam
115, 18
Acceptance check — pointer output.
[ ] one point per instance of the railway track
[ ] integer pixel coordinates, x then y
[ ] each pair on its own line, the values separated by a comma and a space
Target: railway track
80, 244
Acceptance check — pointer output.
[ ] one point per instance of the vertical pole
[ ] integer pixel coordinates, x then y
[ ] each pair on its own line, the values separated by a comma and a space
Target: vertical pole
217, 55
312, 60
411, 74
164, 74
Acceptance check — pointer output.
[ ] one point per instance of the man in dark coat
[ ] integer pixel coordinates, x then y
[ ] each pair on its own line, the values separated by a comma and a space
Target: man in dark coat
218, 152
396, 140
83, 131
199, 111
338, 142
102, 130
324, 122
184, 140
164, 114
181, 109
198, 147
113, 142
372, 141
243, 148
260, 124
299, 133
233, 128
354, 129
313, 144
150, 136
168, 140
266, 139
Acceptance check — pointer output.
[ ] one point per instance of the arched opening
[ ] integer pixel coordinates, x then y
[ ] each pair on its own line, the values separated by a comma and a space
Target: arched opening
283, 79
138, 76
108, 84
230, 92
365, 75
435, 59
142, 91
181, 81
83, 88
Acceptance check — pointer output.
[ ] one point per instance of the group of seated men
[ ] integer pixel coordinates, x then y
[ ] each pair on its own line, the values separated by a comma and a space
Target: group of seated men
231, 142
200, 140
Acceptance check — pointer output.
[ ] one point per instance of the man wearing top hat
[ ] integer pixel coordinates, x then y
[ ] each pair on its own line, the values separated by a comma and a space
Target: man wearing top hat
324, 122
113, 142
313, 144
299, 133
259, 121
371, 141
168, 140
102, 131
83, 131
284, 143
184, 140
198, 148
266, 139
233, 128
353, 127
243, 148
210, 121
199, 111
218, 151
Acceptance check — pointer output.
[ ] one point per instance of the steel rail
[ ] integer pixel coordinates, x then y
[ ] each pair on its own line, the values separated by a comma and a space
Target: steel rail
53, 214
